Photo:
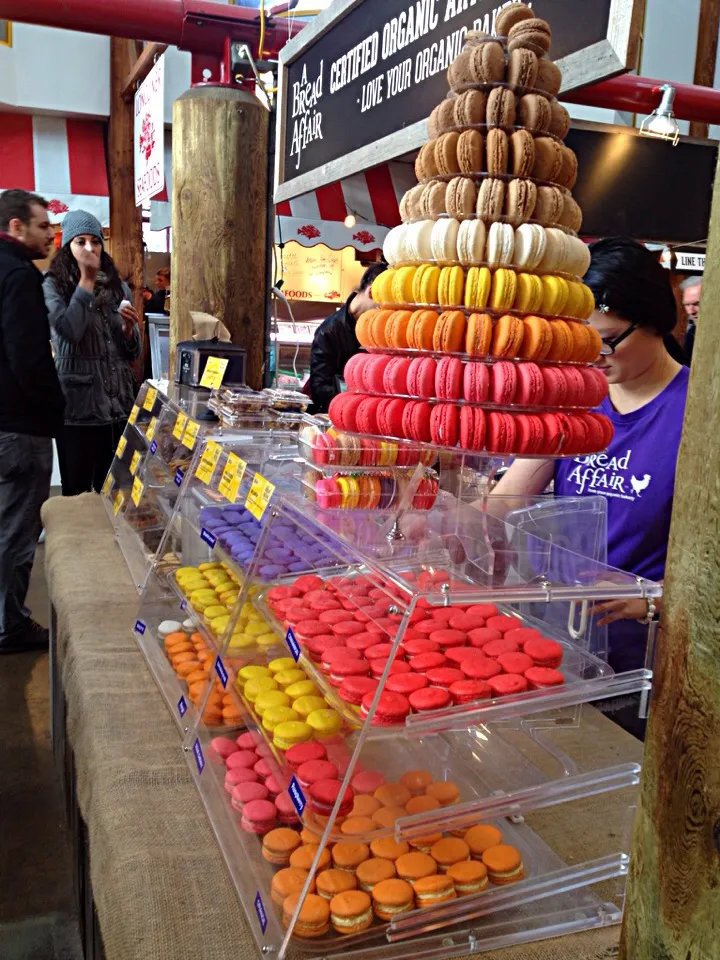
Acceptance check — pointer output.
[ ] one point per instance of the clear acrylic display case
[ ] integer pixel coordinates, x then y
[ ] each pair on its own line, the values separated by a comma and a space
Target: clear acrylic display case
519, 761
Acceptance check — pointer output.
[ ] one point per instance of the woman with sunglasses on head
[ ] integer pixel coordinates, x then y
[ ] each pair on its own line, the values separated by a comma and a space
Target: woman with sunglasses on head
635, 315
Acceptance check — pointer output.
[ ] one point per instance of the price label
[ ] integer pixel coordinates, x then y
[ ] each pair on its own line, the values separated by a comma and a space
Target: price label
152, 427
199, 758
135, 462
292, 644
259, 496
139, 627
118, 502
208, 461
214, 372
120, 449
182, 706
296, 795
191, 434
136, 493
153, 448
221, 672
108, 485
261, 912
134, 413
232, 475
178, 478
150, 398
179, 427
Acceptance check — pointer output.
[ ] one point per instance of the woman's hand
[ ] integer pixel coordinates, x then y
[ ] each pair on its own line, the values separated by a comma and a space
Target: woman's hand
88, 260
612, 610
130, 319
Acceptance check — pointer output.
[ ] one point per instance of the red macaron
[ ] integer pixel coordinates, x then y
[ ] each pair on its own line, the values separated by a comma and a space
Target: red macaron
544, 652
530, 434
501, 432
554, 386
507, 683
389, 417
480, 668
392, 708
473, 428
445, 425
465, 691
373, 373
430, 698
416, 421
366, 414
595, 385
540, 677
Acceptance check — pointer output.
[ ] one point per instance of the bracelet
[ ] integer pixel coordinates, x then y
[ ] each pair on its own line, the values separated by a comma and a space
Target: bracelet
651, 611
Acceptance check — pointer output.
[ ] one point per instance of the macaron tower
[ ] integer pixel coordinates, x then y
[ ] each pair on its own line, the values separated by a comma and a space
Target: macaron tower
482, 325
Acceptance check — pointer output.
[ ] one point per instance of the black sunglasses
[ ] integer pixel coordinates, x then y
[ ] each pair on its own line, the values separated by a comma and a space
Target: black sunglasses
609, 344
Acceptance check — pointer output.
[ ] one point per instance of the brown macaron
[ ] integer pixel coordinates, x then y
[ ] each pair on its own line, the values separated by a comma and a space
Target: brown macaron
550, 205
459, 71
410, 208
460, 197
568, 169
432, 199
470, 108
548, 159
470, 151
441, 119
532, 34
522, 68
522, 153
571, 215
501, 107
446, 152
521, 199
509, 16
474, 37
559, 120
487, 62
533, 112
496, 152
425, 165
491, 199
549, 77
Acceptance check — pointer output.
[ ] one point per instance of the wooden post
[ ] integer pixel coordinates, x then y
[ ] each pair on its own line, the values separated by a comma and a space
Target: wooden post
706, 54
126, 243
219, 200
673, 898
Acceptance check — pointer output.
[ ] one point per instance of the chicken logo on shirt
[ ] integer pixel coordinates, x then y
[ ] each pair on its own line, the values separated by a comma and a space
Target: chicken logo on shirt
640, 485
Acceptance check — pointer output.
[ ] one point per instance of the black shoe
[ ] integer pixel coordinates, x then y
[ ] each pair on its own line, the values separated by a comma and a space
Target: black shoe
27, 638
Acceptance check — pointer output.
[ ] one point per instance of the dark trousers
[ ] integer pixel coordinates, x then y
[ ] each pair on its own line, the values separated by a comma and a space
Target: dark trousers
25, 471
85, 455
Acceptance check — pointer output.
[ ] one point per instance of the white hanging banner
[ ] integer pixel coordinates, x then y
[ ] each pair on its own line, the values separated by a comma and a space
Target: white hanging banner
150, 135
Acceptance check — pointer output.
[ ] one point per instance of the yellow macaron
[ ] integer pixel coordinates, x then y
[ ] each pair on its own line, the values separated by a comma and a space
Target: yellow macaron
402, 285
425, 284
555, 295
477, 287
504, 289
451, 286
529, 296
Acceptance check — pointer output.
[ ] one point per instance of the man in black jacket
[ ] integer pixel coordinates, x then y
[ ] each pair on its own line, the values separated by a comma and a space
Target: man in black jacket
335, 341
31, 409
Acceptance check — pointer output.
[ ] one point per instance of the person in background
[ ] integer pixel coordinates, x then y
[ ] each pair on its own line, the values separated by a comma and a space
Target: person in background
31, 409
635, 314
691, 290
156, 303
335, 341
95, 335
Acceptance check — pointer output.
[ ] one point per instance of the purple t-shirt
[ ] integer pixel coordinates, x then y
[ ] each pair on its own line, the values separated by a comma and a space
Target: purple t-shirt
637, 476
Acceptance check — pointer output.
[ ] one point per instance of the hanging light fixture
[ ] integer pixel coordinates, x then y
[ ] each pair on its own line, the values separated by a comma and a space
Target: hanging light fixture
661, 123
350, 220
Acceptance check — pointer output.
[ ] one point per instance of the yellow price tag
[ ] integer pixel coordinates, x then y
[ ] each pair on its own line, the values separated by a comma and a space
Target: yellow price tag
233, 472
120, 449
208, 461
137, 491
214, 372
259, 496
150, 398
118, 502
152, 427
179, 427
134, 413
190, 436
135, 462
108, 485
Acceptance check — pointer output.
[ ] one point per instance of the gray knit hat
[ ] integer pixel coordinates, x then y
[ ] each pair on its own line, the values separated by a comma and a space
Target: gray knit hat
78, 222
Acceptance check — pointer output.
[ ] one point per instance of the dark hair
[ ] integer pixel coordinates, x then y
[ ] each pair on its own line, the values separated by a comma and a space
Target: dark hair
66, 273
372, 272
627, 278
17, 205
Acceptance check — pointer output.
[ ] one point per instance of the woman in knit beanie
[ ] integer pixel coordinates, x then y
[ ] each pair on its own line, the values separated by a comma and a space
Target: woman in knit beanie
95, 336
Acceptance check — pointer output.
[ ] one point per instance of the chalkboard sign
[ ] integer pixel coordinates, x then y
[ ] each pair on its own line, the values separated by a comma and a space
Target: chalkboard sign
357, 84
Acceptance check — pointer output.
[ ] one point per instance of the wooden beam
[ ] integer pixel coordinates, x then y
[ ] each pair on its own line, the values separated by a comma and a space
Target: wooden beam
673, 896
141, 68
125, 218
706, 54
219, 217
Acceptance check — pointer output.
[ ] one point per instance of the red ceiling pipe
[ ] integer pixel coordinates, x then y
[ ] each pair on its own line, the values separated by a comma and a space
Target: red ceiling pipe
642, 95
200, 26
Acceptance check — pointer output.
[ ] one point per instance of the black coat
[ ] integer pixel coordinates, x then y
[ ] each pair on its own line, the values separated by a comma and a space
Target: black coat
333, 345
31, 400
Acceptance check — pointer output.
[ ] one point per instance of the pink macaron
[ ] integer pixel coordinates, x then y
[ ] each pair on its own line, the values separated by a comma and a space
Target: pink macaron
373, 373
476, 382
421, 377
449, 379
395, 376
503, 382
529, 384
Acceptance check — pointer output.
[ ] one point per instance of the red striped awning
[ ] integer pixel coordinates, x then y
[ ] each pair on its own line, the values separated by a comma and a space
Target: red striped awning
62, 159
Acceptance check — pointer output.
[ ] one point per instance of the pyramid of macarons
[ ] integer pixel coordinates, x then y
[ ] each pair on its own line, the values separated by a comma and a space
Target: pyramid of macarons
480, 339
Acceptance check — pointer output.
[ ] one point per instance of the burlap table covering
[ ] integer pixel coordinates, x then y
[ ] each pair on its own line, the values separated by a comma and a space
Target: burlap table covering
161, 888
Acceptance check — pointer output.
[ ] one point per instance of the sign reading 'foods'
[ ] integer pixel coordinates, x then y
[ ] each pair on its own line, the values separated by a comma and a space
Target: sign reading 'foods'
357, 84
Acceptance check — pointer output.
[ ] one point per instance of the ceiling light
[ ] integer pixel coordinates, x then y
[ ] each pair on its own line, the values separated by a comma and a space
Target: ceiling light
661, 123
350, 220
